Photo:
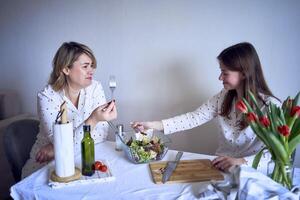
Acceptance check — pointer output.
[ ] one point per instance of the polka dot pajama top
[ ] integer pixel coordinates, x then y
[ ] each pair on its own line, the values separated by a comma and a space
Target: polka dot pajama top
48, 106
231, 141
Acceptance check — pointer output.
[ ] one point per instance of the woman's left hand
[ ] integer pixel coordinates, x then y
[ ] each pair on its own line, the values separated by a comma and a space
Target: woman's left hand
223, 163
45, 154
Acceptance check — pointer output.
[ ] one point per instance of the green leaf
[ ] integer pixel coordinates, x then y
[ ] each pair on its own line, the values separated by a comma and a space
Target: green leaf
281, 116
252, 97
257, 108
292, 121
296, 101
278, 148
259, 133
295, 129
273, 128
247, 105
257, 158
274, 116
286, 108
293, 143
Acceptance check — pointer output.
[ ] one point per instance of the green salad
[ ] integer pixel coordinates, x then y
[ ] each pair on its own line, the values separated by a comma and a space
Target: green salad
146, 150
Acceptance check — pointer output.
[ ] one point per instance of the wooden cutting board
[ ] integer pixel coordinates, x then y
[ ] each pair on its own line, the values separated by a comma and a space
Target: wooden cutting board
187, 171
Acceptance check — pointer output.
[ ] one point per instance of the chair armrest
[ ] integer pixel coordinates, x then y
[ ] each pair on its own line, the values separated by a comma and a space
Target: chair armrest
7, 121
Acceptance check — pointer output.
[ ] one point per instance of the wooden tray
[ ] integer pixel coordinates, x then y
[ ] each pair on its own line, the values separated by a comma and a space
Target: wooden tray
187, 171
97, 177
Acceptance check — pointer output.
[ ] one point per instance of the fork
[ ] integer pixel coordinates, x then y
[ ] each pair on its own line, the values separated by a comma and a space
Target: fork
112, 85
113, 126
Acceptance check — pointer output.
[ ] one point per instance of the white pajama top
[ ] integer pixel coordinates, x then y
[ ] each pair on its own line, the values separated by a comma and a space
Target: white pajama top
48, 106
231, 141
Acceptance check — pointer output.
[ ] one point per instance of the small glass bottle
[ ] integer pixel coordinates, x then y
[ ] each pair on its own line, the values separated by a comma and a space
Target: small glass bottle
87, 152
119, 134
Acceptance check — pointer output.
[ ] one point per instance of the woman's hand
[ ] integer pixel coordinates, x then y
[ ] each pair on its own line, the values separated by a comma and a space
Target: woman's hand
223, 163
142, 126
106, 112
45, 154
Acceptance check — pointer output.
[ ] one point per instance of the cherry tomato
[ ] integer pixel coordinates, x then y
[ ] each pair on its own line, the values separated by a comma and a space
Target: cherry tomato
103, 168
97, 165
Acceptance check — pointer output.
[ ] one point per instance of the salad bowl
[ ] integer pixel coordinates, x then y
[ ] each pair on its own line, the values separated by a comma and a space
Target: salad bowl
144, 147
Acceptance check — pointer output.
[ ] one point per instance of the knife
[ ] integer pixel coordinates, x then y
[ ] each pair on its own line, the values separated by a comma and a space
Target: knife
171, 166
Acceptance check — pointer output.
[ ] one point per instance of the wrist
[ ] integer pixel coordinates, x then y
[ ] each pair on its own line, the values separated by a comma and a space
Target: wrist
90, 121
158, 125
243, 161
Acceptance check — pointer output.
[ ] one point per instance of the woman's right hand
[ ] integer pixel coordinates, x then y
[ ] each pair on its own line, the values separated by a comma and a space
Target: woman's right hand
142, 126
45, 154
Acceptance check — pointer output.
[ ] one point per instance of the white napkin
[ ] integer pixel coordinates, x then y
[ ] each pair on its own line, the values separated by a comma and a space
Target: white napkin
246, 183
253, 184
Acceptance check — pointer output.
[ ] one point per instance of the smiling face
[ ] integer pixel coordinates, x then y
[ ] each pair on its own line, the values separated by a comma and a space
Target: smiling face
232, 80
80, 75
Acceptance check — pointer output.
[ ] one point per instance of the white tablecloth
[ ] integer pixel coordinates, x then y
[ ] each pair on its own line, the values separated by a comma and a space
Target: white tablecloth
132, 181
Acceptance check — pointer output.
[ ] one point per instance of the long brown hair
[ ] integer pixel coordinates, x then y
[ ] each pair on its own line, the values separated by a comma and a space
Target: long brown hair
65, 56
242, 57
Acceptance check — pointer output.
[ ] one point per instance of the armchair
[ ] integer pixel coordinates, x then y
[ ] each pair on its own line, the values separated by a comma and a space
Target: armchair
9, 113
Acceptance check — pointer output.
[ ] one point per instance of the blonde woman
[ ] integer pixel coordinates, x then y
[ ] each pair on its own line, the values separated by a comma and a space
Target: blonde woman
72, 81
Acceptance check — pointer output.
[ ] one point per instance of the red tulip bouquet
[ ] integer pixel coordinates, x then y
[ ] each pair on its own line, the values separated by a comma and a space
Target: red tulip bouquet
279, 129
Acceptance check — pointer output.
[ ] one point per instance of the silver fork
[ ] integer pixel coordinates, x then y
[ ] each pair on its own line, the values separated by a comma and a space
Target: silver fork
112, 85
113, 126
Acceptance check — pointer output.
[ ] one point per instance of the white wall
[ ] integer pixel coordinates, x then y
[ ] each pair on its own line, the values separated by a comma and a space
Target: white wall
163, 53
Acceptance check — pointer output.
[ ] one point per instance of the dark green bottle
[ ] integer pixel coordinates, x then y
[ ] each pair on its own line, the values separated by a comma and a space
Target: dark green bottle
87, 152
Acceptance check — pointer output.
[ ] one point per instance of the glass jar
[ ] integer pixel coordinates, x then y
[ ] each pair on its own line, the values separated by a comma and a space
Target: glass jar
281, 172
118, 135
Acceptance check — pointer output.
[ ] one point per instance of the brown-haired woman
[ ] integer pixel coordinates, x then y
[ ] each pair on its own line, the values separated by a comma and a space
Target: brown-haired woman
71, 81
240, 71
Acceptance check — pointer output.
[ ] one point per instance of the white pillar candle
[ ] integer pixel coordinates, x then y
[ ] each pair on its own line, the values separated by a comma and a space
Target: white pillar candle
64, 150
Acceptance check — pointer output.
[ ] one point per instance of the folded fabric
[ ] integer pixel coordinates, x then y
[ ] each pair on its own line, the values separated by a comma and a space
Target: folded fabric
253, 185
210, 193
246, 183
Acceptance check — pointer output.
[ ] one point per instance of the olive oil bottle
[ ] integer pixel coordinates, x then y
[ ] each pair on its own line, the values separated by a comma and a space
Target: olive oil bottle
87, 152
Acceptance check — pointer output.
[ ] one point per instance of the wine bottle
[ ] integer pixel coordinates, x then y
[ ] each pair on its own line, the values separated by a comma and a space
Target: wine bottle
87, 152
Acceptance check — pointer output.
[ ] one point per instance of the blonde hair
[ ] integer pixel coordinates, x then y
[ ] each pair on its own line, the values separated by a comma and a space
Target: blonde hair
65, 56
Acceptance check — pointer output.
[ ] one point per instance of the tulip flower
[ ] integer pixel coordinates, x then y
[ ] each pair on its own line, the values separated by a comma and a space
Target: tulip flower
295, 111
278, 128
284, 130
251, 117
240, 105
265, 121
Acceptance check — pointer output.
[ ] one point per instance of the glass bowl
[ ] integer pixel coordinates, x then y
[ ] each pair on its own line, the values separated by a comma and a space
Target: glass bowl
144, 151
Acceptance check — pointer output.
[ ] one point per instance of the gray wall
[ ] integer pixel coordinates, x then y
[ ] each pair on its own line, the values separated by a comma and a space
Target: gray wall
163, 53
